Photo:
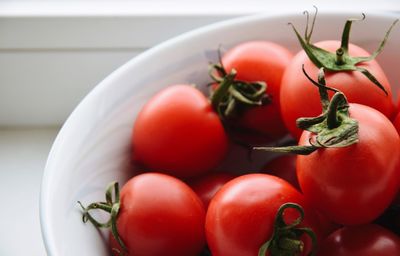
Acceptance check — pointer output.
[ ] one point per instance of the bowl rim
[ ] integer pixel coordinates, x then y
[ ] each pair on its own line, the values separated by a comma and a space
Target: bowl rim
49, 173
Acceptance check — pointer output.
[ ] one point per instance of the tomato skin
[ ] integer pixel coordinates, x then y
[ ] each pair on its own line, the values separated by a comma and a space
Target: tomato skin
299, 98
353, 185
206, 187
160, 215
284, 167
366, 240
178, 133
241, 215
261, 61
396, 122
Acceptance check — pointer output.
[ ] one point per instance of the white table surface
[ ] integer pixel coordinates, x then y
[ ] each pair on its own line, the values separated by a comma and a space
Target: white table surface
23, 154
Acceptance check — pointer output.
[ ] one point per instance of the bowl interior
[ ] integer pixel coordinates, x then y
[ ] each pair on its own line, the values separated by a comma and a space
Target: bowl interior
93, 147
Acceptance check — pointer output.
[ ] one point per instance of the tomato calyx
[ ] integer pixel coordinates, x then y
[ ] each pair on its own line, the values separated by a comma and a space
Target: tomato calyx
340, 60
333, 128
285, 240
232, 96
109, 206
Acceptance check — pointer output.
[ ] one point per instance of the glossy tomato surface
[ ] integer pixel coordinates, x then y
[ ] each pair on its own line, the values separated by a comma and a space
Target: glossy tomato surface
366, 240
178, 133
353, 185
299, 98
160, 215
261, 61
240, 217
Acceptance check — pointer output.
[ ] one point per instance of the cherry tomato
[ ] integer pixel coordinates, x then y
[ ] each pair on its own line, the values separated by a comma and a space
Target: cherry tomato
366, 240
354, 184
284, 167
260, 61
160, 215
178, 133
240, 217
300, 99
207, 186
396, 122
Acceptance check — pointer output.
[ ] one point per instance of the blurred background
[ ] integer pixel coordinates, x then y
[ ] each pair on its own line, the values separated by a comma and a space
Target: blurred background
52, 53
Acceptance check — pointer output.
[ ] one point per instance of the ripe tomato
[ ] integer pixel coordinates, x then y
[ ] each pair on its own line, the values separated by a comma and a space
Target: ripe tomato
260, 61
284, 167
240, 217
300, 99
396, 122
367, 240
206, 187
178, 133
354, 184
160, 215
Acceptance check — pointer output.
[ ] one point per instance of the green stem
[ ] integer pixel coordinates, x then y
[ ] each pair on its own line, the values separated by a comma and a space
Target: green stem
332, 117
340, 56
340, 61
110, 207
333, 128
285, 239
292, 245
298, 150
222, 89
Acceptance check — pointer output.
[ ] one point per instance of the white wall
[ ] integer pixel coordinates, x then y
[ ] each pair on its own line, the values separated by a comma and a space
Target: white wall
53, 53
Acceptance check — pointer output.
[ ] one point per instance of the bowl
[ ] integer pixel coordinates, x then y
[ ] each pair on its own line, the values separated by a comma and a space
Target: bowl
94, 145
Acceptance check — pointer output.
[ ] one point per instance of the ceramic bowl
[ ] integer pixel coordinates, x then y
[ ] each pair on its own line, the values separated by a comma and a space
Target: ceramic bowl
94, 145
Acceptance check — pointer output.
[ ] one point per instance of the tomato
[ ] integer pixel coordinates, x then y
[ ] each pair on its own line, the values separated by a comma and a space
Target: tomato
178, 133
354, 184
284, 167
366, 240
396, 122
299, 98
260, 61
206, 187
240, 217
160, 215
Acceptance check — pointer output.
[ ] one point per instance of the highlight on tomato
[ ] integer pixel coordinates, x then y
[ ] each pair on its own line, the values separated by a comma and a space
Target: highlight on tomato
256, 214
155, 214
246, 89
349, 68
348, 159
178, 133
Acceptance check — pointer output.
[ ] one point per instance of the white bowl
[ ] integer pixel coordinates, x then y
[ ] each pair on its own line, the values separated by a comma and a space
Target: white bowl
93, 147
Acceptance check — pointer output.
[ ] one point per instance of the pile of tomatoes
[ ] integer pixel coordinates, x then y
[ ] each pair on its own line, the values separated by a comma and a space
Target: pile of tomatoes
326, 199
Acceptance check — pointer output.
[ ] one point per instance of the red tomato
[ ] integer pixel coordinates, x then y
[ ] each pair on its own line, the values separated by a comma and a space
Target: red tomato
367, 240
178, 133
353, 185
240, 217
160, 215
207, 186
284, 167
396, 122
260, 61
299, 98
